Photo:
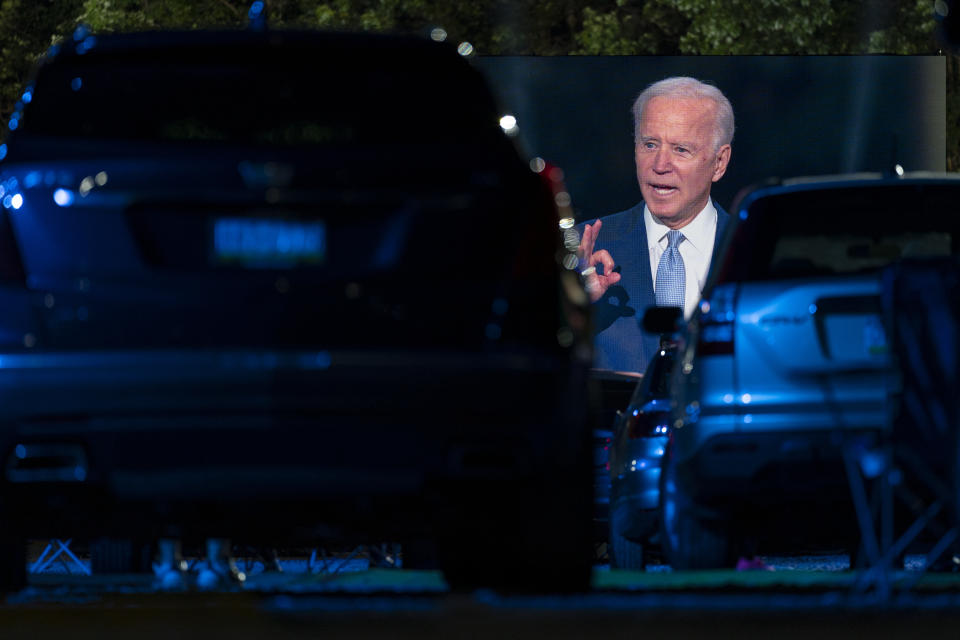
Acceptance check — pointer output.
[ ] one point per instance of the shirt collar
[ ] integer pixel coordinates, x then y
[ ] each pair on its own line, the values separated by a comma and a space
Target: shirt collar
697, 231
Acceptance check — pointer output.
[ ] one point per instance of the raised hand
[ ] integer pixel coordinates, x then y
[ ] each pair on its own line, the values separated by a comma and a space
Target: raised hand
595, 283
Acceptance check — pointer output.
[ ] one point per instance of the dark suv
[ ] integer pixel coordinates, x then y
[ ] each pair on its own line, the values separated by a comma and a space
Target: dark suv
257, 284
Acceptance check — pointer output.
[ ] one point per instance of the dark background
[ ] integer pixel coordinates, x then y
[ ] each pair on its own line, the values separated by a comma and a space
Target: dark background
795, 116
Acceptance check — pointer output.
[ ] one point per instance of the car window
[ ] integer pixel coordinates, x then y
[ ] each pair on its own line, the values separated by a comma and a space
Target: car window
271, 96
812, 254
826, 232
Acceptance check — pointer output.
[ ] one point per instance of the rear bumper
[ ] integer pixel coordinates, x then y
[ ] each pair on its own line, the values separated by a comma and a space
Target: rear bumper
772, 468
277, 441
795, 423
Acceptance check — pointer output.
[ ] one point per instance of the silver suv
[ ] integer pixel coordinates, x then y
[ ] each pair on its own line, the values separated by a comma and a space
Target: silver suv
788, 358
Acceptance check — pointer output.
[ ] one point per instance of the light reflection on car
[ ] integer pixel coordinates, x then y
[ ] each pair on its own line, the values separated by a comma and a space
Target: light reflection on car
637, 446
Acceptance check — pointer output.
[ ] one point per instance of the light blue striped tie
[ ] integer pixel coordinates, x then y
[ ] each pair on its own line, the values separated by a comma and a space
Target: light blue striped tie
671, 275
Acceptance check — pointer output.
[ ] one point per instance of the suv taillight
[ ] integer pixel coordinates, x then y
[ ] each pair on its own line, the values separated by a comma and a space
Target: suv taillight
11, 266
717, 321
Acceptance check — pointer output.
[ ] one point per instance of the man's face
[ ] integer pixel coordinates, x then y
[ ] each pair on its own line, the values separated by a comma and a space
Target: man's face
676, 161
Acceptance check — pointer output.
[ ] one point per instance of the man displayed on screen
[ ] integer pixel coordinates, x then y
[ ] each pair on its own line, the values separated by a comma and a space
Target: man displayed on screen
659, 251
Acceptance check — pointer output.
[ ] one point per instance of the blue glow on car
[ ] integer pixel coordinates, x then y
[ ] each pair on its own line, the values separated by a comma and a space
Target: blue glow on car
717, 332
86, 44
63, 197
872, 463
76, 83
743, 214
265, 241
319, 360
257, 16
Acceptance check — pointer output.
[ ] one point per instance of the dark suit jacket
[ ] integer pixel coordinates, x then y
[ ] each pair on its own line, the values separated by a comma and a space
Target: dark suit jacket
620, 343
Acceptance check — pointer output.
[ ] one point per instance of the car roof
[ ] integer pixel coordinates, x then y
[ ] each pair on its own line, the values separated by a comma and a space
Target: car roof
423, 68
776, 186
866, 178
85, 44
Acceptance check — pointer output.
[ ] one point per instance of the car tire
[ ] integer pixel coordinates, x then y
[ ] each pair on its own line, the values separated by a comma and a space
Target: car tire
418, 553
624, 553
627, 554
542, 542
13, 561
691, 539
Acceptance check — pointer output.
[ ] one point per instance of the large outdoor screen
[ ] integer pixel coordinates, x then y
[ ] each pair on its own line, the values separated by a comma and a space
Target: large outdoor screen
795, 116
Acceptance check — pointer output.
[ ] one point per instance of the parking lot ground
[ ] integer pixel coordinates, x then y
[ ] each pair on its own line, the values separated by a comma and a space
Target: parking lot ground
345, 598
355, 576
405, 581
351, 572
787, 580
248, 615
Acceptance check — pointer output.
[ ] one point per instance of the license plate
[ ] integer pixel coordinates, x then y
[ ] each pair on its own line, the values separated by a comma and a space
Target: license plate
266, 243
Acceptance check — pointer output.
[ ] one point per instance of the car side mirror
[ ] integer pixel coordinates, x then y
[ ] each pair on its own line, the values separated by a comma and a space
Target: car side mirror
662, 319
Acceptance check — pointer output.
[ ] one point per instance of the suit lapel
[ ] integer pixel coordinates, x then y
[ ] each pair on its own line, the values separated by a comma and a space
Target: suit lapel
646, 296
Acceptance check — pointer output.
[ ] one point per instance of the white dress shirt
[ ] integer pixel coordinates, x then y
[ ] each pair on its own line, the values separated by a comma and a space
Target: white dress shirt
696, 249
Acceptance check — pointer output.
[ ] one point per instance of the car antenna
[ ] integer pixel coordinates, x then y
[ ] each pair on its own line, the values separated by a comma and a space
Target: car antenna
257, 16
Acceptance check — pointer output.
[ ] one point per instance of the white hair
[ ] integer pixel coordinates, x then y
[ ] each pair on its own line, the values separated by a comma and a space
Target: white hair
684, 87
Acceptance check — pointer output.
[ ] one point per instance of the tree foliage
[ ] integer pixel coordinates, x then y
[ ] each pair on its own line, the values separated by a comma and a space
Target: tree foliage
27, 29
752, 27
138, 15
631, 28
519, 27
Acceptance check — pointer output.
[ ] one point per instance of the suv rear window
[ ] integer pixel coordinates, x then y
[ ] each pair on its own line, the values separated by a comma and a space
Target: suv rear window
837, 231
261, 95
